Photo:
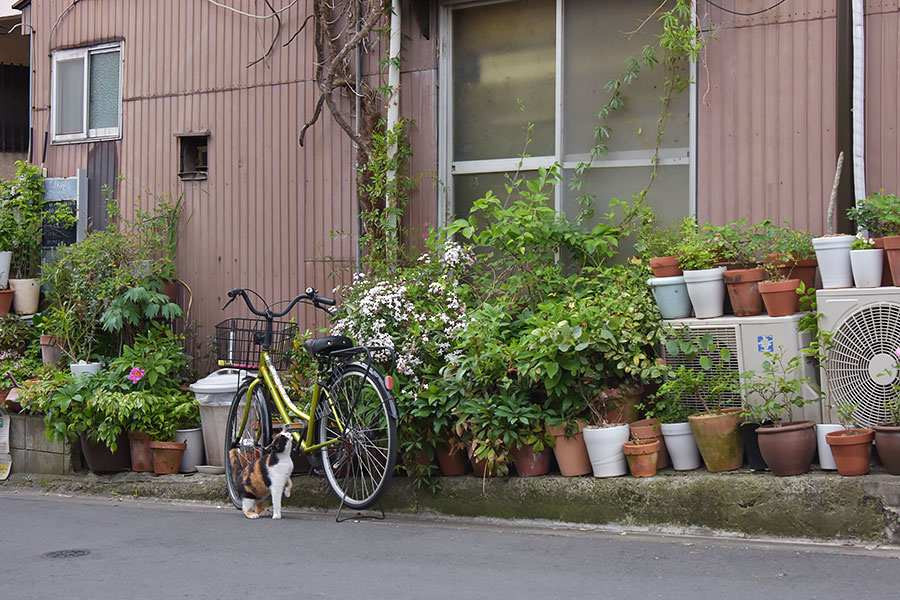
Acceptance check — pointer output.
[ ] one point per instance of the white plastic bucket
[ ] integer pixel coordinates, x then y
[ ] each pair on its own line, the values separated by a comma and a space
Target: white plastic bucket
5, 259
681, 446
706, 287
833, 255
214, 394
826, 459
193, 453
604, 446
867, 266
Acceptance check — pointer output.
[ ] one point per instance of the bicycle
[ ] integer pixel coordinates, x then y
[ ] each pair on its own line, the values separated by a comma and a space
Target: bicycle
349, 430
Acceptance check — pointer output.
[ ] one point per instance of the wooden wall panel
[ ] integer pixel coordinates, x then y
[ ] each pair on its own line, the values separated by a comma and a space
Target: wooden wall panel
882, 111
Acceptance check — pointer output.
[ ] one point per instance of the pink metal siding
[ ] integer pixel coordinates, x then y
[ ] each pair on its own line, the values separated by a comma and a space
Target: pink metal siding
767, 125
882, 30
264, 217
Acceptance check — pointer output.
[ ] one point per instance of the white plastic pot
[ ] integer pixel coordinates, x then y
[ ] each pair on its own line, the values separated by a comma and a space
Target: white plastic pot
833, 255
826, 459
706, 287
866, 266
681, 446
5, 258
604, 446
85, 369
28, 293
671, 296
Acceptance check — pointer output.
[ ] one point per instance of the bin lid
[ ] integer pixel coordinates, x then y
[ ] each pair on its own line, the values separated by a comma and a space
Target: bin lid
223, 381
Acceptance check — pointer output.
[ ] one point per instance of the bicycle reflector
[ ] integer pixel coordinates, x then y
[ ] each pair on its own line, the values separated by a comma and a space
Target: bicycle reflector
388, 382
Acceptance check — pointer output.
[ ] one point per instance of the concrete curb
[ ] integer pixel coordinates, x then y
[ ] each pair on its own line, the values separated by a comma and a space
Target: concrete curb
818, 505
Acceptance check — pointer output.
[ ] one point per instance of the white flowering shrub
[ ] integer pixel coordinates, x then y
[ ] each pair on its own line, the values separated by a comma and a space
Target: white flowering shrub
414, 310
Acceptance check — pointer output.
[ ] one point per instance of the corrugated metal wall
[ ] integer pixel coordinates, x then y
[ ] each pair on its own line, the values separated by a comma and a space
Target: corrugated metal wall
263, 219
882, 30
766, 114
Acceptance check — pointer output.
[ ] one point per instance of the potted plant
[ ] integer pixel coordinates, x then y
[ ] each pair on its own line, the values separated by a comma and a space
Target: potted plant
866, 262
878, 215
887, 435
667, 405
741, 247
779, 294
787, 446
833, 255
697, 256
14, 369
716, 428
641, 455
792, 252
851, 446
72, 326
649, 429
604, 439
659, 246
14, 333
22, 198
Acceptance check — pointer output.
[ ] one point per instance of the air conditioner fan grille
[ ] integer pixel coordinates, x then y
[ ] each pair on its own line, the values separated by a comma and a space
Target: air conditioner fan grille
723, 337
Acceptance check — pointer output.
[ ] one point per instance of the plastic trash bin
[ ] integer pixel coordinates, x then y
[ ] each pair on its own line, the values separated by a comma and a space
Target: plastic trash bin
214, 394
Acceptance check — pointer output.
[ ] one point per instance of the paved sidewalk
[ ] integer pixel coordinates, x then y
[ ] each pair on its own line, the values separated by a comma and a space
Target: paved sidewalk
819, 505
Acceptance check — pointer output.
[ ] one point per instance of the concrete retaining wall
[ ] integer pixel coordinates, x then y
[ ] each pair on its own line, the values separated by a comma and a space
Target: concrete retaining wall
32, 452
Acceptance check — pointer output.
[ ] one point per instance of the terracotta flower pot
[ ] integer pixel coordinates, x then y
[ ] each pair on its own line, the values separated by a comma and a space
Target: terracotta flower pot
141, 455
892, 250
886, 277
571, 453
743, 290
788, 449
791, 268
167, 456
453, 462
719, 439
780, 297
530, 463
852, 450
665, 266
650, 429
621, 404
6, 297
641, 457
887, 443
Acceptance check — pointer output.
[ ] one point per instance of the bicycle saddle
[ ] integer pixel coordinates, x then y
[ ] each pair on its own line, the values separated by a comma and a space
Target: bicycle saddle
327, 345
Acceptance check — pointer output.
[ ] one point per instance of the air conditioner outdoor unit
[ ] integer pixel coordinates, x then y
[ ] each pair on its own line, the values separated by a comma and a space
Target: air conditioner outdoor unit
860, 363
748, 339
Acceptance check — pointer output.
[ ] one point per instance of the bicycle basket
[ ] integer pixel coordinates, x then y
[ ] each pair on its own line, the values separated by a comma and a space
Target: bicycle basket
238, 342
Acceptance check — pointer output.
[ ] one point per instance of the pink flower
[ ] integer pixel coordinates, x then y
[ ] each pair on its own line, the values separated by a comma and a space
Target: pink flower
136, 375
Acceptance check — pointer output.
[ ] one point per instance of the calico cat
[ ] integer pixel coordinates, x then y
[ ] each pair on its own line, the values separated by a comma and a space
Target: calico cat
268, 475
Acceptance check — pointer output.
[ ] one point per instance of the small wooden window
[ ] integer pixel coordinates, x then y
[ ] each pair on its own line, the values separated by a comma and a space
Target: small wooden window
193, 156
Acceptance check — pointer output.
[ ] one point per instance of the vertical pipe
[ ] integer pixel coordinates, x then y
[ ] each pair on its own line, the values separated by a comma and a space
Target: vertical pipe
859, 101
393, 105
357, 63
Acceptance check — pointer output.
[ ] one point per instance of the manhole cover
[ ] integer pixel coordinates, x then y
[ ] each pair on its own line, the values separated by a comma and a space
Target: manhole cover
66, 554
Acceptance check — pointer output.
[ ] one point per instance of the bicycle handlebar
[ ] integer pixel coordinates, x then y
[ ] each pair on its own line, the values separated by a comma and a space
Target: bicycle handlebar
319, 302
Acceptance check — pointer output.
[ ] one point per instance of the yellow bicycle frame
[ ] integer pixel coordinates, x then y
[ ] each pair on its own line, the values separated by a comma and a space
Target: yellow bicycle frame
268, 376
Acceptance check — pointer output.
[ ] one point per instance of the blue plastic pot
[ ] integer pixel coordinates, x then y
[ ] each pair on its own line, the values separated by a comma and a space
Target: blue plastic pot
671, 296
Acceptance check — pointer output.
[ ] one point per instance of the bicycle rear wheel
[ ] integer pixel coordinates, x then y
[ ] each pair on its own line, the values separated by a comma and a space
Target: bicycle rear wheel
249, 441
357, 413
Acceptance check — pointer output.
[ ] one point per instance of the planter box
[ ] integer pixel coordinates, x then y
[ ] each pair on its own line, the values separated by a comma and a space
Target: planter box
32, 452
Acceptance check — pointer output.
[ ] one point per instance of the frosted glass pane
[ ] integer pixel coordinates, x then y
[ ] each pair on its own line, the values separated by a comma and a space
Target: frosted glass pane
502, 52
70, 96
598, 40
469, 188
668, 196
104, 110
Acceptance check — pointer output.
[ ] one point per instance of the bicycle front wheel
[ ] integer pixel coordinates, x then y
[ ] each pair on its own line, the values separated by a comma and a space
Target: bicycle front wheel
357, 415
247, 441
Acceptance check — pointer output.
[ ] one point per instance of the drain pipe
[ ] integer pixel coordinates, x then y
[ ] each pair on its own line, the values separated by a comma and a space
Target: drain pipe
859, 101
393, 106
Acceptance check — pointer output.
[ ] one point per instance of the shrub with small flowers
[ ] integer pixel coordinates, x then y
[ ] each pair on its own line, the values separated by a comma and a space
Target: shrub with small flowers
862, 243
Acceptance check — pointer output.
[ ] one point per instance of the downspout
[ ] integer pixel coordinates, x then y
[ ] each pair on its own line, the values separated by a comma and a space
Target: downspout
859, 101
357, 63
393, 110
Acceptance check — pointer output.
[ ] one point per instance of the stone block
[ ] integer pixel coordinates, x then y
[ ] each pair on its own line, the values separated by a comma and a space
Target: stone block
17, 432
45, 462
36, 437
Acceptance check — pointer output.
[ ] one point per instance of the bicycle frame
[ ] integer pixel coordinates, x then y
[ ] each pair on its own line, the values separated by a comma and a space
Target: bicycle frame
268, 376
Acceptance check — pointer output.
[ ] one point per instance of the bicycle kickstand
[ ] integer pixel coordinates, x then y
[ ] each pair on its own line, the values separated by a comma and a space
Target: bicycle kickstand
359, 516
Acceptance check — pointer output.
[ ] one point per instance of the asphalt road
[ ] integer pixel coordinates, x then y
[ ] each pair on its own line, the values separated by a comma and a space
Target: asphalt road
78, 547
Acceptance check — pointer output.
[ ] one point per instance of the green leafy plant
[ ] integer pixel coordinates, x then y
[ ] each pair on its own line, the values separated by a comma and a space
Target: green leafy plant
695, 249
738, 242
879, 214
712, 382
14, 332
654, 241
23, 215
773, 393
845, 415
667, 404
15, 369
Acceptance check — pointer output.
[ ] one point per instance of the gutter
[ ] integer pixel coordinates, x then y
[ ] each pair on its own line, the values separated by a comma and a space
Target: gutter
393, 102
859, 100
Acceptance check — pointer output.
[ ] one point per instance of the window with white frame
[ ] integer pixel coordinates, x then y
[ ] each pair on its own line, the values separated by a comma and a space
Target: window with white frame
508, 64
87, 93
